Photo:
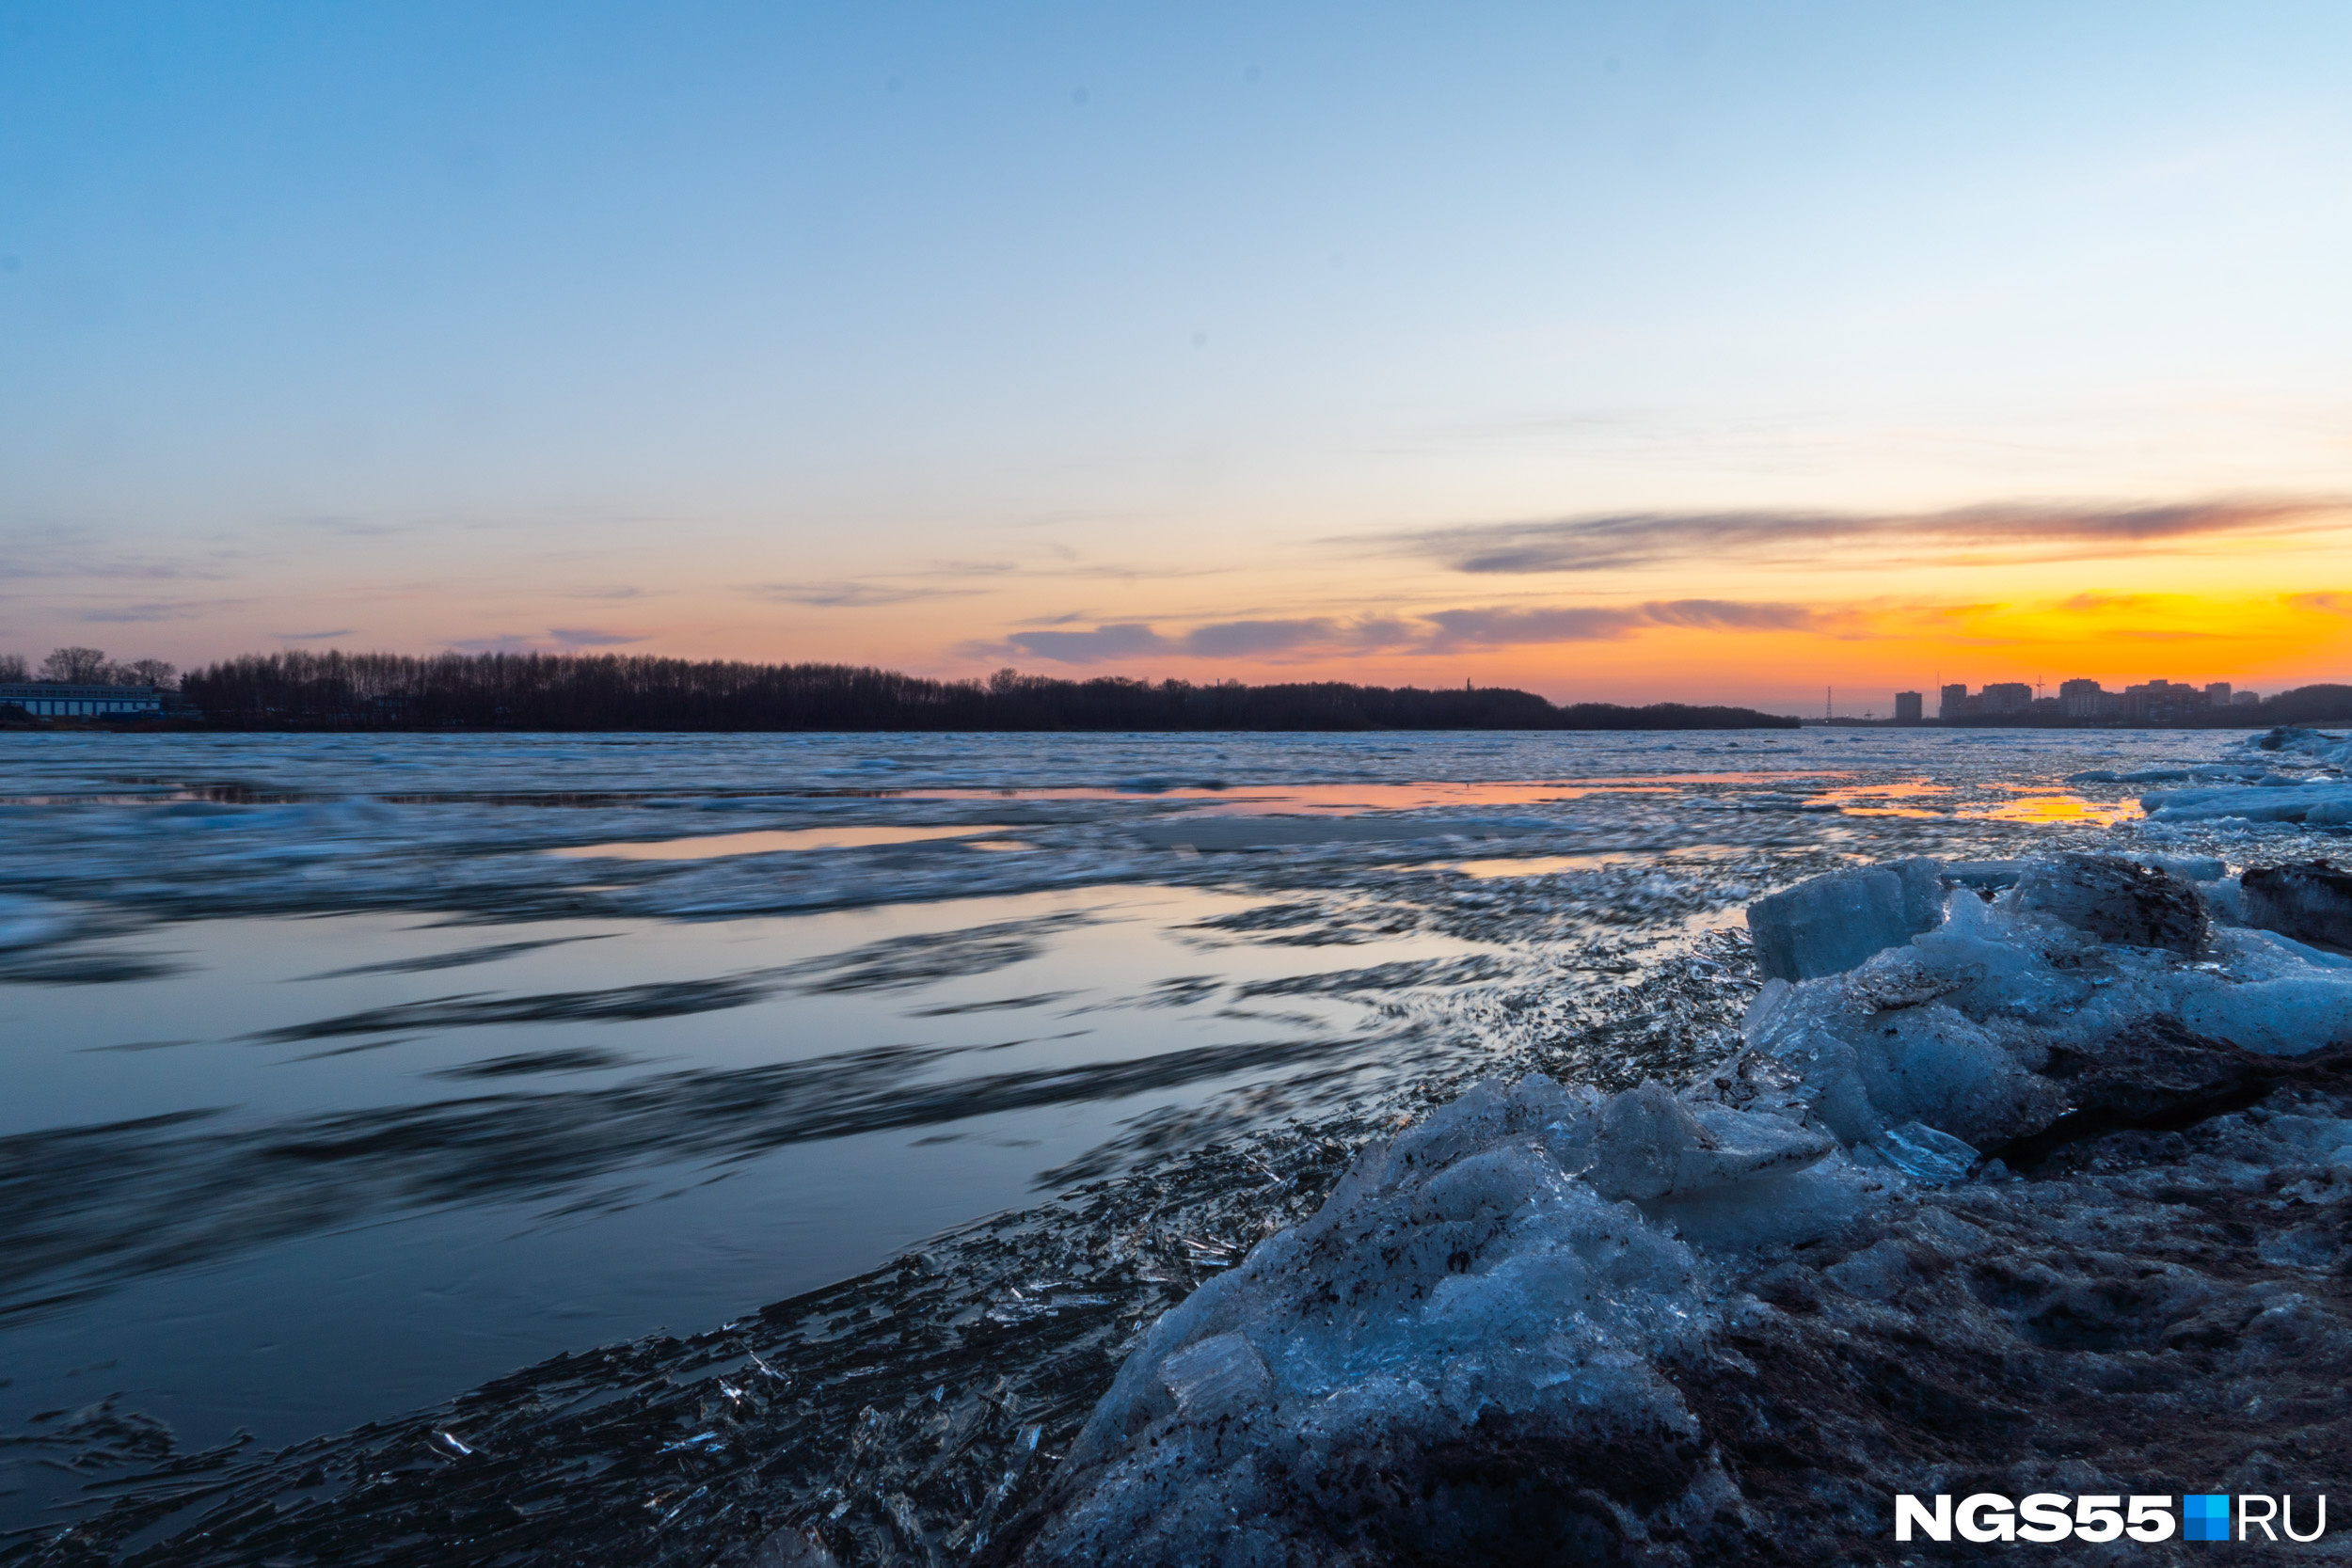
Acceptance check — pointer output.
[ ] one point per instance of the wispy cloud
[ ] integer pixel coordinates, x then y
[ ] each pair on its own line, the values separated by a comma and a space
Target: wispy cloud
1441, 631
592, 637
153, 610
1129, 640
555, 640
956, 579
852, 595
1738, 615
39, 552
1514, 626
2329, 603
1519, 627
1256, 639
614, 594
359, 528
1627, 540
311, 636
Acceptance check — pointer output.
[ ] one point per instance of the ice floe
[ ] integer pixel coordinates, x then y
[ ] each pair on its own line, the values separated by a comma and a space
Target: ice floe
2300, 779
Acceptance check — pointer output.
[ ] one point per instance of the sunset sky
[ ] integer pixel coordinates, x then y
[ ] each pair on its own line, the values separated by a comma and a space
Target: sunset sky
1627, 352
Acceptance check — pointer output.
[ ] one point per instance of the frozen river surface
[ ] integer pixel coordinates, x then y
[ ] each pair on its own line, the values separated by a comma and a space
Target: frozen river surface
344, 1074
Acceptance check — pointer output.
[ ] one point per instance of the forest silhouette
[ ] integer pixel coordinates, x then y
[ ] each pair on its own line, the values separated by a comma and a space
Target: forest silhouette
332, 690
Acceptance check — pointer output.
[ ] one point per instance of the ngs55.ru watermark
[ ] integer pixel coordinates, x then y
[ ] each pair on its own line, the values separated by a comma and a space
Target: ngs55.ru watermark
2047, 1517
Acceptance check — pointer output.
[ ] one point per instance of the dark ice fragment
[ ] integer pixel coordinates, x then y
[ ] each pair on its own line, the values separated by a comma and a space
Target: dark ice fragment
2308, 900
2117, 900
2154, 1074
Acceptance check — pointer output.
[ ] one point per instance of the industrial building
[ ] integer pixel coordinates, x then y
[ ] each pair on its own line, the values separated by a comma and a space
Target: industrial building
56, 700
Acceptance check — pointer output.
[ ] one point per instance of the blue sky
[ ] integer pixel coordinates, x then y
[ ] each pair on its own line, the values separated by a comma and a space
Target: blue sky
907, 332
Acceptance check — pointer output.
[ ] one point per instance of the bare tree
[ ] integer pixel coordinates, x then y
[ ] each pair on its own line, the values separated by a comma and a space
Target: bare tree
13, 667
74, 666
147, 672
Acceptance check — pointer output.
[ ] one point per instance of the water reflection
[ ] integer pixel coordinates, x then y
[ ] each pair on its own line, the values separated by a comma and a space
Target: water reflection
1346, 799
1897, 798
712, 846
1532, 865
630, 1122
2058, 809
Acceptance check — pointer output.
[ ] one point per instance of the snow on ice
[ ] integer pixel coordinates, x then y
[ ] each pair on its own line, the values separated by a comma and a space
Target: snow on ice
1727, 1323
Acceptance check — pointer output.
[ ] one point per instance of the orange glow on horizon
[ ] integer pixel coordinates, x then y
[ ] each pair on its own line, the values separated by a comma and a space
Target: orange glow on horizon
1750, 629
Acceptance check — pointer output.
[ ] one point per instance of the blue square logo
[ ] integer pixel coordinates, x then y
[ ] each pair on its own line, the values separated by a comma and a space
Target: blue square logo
2205, 1517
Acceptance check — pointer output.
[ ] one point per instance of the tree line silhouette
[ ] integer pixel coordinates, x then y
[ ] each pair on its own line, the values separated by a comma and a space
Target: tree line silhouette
2307, 704
612, 691
88, 667
333, 690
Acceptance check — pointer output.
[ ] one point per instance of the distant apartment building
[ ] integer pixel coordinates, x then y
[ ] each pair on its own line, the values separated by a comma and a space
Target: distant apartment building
2008, 697
2157, 702
2162, 702
1909, 707
2082, 699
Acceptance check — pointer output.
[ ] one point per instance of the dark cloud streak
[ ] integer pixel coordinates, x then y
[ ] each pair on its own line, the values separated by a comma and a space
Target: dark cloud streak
590, 636
1627, 540
1441, 631
153, 610
1243, 639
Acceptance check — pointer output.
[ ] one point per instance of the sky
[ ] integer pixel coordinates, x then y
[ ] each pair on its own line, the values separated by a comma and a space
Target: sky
1623, 351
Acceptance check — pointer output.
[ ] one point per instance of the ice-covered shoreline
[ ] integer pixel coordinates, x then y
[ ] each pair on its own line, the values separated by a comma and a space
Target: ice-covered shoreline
949, 1369
1550, 1325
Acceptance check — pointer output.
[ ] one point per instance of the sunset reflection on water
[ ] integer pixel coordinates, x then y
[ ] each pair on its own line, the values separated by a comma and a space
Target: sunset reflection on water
2060, 810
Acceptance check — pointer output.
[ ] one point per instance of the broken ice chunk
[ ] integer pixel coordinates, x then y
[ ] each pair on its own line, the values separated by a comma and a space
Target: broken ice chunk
2316, 803
2317, 744
1832, 922
2225, 901
2116, 900
1987, 877
1923, 892
2197, 868
2268, 956
1862, 1067
1652, 1144
1928, 1157
1218, 1374
2308, 900
2277, 1017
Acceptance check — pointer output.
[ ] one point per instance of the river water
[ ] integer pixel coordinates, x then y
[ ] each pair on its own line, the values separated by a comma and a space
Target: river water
344, 1074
